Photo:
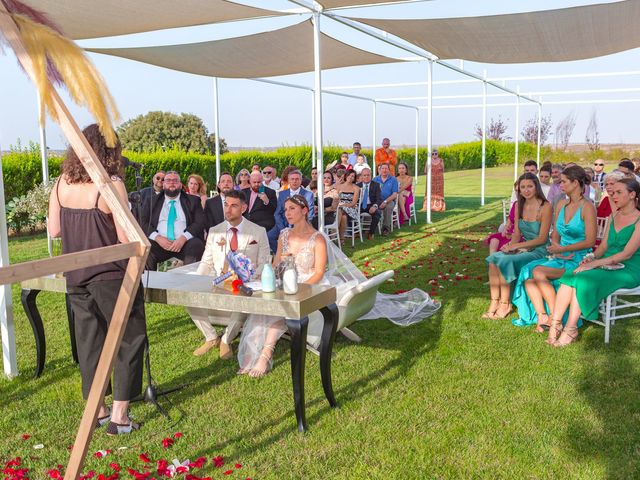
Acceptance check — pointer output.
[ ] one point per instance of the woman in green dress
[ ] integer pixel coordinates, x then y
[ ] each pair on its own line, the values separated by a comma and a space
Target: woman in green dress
532, 221
573, 237
582, 290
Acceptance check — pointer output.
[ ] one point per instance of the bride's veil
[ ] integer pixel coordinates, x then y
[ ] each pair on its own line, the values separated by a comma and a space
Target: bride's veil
401, 308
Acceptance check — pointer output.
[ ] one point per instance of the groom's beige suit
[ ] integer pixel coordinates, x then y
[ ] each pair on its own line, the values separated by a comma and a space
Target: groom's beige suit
252, 242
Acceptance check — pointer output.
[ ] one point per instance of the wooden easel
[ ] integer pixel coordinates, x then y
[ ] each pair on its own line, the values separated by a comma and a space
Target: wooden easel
135, 251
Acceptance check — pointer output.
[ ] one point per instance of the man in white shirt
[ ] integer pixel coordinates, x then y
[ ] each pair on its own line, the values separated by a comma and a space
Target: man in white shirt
353, 157
175, 224
268, 175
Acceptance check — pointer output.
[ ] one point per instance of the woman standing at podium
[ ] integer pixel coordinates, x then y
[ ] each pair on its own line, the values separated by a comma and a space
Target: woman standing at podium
81, 216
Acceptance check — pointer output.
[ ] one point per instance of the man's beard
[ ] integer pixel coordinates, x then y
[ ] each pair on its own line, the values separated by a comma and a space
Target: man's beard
172, 192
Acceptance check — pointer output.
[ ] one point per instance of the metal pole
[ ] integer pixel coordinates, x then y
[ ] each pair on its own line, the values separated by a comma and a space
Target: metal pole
539, 132
415, 179
45, 168
484, 136
9, 359
216, 125
314, 160
429, 137
373, 147
517, 135
317, 95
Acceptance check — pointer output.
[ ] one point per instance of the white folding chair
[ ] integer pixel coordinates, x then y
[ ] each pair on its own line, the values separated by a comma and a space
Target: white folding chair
602, 223
354, 227
395, 216
611, 307
332, 230
365, 223
505, 205
412, 213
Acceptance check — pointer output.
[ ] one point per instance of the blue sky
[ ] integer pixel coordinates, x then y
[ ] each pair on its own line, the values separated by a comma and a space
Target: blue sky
254, 114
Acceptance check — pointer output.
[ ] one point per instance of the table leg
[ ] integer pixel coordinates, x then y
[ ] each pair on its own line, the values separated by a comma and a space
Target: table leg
28, 299
71, 319
298, 332
330, 314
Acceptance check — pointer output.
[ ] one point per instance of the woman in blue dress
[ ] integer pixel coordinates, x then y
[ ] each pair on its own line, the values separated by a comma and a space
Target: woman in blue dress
532, 221
573, 237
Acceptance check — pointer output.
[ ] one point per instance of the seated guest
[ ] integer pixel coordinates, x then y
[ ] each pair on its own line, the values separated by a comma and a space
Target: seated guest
239, 235
532, 221
338, 175
197, 187
606, 207
349, 201
146, 192
370, 200
255, 167
555, 193
314, 174
213, 207
582, 290
592, 190
530, 166
331, 200
361, 164
175, 225
344, 160
262, 203
353, 157
388, 194
386, 154
405, 191
545, 180
572, 238
268, 178
497, 240
600, 175
627, 166
313, 186
284, 182
295, 188
242, 180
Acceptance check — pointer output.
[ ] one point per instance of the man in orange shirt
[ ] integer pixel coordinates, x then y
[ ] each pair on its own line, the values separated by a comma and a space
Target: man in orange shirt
386, 155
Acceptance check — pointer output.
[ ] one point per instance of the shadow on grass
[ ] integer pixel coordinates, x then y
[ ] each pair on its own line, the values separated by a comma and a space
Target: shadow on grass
610, 385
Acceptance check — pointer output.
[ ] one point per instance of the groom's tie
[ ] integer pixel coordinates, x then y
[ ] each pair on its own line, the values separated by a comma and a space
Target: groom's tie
234, 239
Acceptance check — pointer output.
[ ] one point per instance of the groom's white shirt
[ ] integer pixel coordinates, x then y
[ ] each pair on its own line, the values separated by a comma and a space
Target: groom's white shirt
252, 242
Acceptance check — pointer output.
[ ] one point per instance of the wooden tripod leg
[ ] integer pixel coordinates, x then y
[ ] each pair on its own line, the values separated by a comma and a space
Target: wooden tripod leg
105, 365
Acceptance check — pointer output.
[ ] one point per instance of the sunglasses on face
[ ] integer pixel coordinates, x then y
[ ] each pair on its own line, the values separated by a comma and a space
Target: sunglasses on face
266, 172
599, 164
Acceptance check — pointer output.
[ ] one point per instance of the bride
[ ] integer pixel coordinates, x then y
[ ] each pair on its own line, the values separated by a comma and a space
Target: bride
309, 250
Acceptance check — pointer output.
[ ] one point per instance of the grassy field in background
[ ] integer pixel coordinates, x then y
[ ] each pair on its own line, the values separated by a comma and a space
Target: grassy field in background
453, 397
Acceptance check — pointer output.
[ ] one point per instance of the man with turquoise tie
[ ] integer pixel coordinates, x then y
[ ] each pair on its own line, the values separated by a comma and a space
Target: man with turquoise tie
175, 224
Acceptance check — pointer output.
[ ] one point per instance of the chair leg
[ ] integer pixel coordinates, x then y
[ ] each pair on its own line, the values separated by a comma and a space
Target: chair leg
351, 335
607, 320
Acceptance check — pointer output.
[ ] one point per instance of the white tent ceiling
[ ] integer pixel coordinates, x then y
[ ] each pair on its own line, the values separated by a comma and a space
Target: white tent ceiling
545, 36
279, 52
90, 19
349, 3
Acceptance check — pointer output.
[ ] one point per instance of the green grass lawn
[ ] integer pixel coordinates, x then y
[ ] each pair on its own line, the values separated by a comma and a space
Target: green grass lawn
452, 397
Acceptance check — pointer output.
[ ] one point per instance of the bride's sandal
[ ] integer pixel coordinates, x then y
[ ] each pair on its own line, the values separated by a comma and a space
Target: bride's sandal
542, 325
261, 367
491, 312
569, 335
503, 313
555, 329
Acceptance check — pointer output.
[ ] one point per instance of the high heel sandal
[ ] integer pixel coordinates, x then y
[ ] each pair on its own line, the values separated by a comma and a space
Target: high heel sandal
542, 326
261, 372
555, 329
491, 313
505, 314
571, 333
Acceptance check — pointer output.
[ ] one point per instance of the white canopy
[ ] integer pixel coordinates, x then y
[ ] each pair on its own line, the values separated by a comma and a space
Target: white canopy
354, 3
545, 36
279, 52
104, 18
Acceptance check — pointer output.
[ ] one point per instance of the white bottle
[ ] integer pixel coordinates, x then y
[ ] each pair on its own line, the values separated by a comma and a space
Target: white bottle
290, 278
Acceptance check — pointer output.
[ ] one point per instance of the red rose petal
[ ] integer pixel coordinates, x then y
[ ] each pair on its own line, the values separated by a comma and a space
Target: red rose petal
26, 436
228, 472
177, 435
144, 457
238, 465
167, 442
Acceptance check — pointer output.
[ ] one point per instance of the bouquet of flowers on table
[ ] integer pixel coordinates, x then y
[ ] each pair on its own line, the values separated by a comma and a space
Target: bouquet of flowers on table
240, 271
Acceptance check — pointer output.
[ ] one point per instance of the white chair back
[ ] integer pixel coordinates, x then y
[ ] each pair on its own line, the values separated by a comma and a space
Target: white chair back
603, 224
360, 299
331, 230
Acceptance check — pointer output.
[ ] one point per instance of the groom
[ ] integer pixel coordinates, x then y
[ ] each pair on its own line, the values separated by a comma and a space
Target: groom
236, 234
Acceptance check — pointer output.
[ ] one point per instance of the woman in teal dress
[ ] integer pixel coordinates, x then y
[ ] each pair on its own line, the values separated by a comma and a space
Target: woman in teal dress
582, 290
532, 221
573, 238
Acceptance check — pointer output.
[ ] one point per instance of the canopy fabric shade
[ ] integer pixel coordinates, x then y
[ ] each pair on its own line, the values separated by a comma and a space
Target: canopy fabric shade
354, 3
91, 19
279, 52
557, 35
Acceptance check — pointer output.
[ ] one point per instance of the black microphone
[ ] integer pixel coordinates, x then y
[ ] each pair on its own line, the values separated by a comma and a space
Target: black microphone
248, 291
129, 163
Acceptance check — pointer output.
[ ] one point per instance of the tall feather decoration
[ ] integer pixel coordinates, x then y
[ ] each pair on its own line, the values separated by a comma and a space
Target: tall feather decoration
84, 83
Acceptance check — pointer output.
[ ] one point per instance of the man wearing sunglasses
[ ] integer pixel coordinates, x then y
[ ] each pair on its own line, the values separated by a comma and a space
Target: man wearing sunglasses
268, 178
600, 175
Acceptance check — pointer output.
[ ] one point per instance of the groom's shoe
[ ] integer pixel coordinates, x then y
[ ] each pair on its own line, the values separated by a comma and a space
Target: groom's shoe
226, 351
206, 346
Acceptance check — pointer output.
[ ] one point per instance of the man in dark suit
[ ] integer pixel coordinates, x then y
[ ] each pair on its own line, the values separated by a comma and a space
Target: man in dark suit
174, 224
262, 202
370, 199
213, 207
146, 195
295, 188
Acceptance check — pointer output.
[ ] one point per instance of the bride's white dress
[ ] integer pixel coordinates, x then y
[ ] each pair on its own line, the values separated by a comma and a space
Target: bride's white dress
257, 327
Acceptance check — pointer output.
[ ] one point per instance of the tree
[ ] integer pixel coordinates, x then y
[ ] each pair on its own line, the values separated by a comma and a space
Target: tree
564, 130
211, 141
592, 137
157, 130
496, 130
530, 130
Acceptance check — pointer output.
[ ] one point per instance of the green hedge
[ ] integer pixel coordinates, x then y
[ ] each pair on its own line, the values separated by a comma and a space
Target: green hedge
22, 169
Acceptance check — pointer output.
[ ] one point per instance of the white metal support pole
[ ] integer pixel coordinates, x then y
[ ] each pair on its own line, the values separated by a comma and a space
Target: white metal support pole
45, 167
373, 143
484, 136
429, 137
317, 95
517, 135
216, 125
415, 162
539, 132
314, 160
9, 359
